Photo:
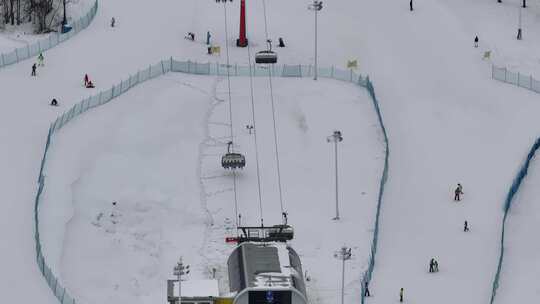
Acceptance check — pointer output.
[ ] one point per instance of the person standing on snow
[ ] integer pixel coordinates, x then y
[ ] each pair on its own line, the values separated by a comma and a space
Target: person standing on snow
34, 67
410, 6
458, 192
435, 266
86, 80
401, 294
40, 59
208, 36
54, 102
431, 265
366, 290
476, 41
113, 22
466, 226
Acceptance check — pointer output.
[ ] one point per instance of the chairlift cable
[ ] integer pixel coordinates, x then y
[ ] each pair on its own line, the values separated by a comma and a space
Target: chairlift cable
273, 114
265, 22
255, 132
230, 107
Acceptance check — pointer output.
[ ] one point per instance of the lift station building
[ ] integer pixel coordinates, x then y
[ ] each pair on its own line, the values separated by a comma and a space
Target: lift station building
266, 273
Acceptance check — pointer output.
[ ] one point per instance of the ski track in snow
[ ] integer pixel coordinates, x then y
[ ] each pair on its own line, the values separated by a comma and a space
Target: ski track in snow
432, 90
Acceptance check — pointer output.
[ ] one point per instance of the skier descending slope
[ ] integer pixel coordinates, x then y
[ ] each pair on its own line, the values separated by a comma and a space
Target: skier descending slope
366, 290
458, 192
41, 60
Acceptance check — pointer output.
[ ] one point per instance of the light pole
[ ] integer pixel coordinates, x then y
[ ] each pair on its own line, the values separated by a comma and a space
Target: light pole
343, 254
179, 270
336, 137
316, 7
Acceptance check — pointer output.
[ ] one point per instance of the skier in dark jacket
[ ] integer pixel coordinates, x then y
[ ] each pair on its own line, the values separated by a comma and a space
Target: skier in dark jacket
34, 67
466, 226
54, 102
366, 290
458, 192
476, 41
208, 37
431, 265
410, 6
401, 295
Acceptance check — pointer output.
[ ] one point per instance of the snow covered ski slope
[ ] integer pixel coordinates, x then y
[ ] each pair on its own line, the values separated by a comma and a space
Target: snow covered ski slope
132, 153
448, 122
520, 265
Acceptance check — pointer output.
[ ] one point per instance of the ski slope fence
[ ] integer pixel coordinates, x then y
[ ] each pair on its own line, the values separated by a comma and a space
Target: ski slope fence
517, 79
216, 69
369, 272
44, 44
522, 173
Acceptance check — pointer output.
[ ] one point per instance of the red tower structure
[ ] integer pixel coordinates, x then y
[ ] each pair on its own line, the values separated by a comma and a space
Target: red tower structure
242, 40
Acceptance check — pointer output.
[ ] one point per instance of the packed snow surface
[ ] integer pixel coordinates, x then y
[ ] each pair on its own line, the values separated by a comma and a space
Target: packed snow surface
448, 122
148, 152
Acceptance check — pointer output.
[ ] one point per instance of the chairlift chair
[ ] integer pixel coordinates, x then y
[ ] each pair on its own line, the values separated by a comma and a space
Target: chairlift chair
232, 160
266, 57
285, 232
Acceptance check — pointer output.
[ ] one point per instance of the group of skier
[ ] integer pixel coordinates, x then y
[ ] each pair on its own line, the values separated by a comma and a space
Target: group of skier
458, 193
433, 263
40, 62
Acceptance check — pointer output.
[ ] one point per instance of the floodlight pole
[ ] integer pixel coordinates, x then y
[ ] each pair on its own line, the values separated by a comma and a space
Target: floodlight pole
343, 254
336, 137
316, 7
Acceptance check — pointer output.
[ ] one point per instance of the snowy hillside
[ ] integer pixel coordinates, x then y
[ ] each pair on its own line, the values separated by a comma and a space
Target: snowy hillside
447, 122
149, 165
